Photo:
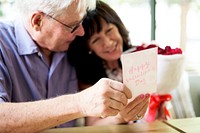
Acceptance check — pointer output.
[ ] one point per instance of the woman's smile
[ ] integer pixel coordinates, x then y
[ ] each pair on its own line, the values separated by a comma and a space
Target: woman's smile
112, 49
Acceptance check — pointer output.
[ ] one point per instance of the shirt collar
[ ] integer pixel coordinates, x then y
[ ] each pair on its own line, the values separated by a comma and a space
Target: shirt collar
24, 42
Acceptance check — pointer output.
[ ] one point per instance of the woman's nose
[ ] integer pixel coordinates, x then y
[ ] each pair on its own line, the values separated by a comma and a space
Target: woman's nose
107, 42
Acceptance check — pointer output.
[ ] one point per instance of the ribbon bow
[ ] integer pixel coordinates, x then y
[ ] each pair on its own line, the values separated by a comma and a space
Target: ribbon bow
157, 108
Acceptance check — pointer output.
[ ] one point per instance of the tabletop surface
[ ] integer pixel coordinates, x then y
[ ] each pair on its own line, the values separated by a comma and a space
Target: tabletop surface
156, 126
189, 125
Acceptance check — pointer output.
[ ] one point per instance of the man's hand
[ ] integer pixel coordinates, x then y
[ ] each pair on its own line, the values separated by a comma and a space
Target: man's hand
106, 98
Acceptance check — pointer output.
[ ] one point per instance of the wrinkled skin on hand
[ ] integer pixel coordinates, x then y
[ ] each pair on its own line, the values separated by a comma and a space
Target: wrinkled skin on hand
105, 98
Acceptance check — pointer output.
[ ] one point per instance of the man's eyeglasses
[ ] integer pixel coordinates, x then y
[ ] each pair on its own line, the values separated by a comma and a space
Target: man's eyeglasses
72, 28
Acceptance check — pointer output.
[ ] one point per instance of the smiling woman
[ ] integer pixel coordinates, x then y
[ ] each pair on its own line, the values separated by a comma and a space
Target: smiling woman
101, 47
184, 15
99, 51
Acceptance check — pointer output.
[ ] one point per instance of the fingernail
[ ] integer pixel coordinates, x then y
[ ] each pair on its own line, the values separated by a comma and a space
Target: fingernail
147, 95
142, 96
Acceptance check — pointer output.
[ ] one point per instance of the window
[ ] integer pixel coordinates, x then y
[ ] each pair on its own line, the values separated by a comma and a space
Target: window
177, 24
136, 15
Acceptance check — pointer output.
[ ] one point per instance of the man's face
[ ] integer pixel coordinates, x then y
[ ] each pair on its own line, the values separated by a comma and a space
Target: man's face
56, 33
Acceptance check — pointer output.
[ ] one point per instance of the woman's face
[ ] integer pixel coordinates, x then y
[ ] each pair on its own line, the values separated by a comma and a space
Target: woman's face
107, 44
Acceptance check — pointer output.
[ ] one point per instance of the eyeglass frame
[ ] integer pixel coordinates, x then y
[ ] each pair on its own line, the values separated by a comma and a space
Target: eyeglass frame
74, 28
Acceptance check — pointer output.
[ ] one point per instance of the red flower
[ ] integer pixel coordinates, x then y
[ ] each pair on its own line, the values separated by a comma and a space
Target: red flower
167, 51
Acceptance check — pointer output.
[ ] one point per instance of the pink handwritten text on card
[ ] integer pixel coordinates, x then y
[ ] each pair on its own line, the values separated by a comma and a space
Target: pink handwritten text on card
140, 71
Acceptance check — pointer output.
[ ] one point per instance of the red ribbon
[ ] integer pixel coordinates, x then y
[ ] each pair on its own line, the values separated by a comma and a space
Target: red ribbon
157, 109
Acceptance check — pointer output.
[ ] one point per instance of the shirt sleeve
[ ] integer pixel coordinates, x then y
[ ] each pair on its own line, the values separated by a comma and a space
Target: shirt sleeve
5, 82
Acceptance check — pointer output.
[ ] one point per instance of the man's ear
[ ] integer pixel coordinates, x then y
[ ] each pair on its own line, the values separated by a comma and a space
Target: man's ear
36, 20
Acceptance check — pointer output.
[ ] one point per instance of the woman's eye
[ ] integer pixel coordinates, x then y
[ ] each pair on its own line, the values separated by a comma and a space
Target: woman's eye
110, 29
95, 41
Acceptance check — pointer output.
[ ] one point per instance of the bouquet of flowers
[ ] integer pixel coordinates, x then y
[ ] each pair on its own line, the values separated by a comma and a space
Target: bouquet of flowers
169, 71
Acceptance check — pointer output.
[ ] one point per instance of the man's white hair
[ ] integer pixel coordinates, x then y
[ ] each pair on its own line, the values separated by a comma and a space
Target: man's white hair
53, 7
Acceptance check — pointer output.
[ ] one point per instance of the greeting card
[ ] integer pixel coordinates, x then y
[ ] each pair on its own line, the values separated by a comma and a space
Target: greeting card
140, 71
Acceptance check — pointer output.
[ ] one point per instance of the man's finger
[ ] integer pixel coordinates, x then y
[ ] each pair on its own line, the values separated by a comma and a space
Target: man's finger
120, 87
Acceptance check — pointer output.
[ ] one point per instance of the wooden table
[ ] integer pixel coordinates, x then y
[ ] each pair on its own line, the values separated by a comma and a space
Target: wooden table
155, 127
189, 125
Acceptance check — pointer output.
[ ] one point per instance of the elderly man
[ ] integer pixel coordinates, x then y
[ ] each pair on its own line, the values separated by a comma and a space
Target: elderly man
38, 87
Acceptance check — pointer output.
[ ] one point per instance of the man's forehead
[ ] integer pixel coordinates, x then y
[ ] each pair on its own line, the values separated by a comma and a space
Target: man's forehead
73, 11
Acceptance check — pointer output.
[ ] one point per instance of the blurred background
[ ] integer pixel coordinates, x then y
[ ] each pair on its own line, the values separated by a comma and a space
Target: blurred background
168, 22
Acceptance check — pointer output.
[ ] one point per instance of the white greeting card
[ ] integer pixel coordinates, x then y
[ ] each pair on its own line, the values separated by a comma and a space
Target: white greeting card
140, 71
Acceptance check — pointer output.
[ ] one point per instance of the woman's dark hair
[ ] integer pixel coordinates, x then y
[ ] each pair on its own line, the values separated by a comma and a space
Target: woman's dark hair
89, 67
